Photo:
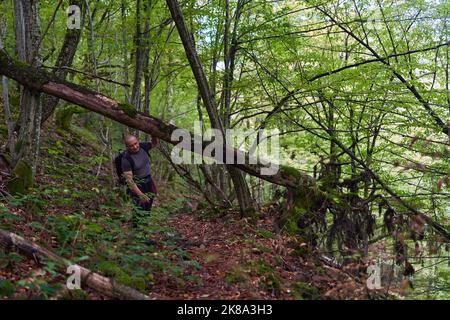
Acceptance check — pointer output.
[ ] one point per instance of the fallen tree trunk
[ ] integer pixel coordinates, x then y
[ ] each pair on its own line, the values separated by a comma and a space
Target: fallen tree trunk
36, 79
40, 80
90, 279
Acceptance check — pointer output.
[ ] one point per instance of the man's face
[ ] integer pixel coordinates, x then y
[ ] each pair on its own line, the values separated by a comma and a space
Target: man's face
132, 145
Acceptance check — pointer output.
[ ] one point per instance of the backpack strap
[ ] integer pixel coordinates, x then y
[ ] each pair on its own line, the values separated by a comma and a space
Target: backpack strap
146, 151
127, 156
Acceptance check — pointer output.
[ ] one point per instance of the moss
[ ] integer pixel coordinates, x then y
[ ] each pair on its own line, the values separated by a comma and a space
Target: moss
131, 281
6, 288
20, 64
265, 249
7, 157
150, 278
298, 219
301, 205
237, 274
262, 267
263, 233
72, 32
303, 290
304, 198
270, 280
22, 179
83, 134
3, 130
319, 270
110, 269
14, 100
291, 171
77, 294
18, 145
128, 109
64, 115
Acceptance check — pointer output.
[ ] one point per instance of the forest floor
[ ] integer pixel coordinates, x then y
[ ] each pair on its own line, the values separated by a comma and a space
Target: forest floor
246, 260
200, 253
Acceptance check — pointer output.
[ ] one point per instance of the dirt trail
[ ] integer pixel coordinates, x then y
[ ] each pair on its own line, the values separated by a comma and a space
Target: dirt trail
240, 260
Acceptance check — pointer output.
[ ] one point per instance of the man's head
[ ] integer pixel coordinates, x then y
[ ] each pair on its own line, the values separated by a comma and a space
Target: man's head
132, 143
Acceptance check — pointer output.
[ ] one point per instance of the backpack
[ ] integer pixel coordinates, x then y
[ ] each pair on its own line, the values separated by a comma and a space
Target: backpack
118, 163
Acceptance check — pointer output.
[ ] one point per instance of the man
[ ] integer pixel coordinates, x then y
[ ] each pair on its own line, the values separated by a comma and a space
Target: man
137, 171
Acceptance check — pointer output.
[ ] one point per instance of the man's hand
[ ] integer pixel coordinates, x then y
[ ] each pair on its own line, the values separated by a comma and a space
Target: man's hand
131, 184
155, 142
144, 199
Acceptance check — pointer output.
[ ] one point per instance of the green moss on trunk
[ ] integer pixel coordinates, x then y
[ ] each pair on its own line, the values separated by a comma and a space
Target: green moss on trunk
297, 217
128, 109
22, 179
31, 77
290, 171
64, 115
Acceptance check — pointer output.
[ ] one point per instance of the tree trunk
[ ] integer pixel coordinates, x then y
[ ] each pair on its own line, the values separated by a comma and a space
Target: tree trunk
124, 52
8, 117
146, 56
240, 185
28, 126
40, 255
141, 43
5, 97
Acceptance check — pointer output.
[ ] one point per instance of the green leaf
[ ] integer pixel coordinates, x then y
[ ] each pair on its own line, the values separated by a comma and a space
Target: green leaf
6, 288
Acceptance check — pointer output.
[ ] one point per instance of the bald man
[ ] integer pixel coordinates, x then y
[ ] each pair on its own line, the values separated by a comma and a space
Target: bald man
136, 170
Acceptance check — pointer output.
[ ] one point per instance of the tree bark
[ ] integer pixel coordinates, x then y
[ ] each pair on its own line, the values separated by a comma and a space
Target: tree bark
8, 117
136, 90
5, 96
123, 50
141, 53
40, 255
28, 126
65, 59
